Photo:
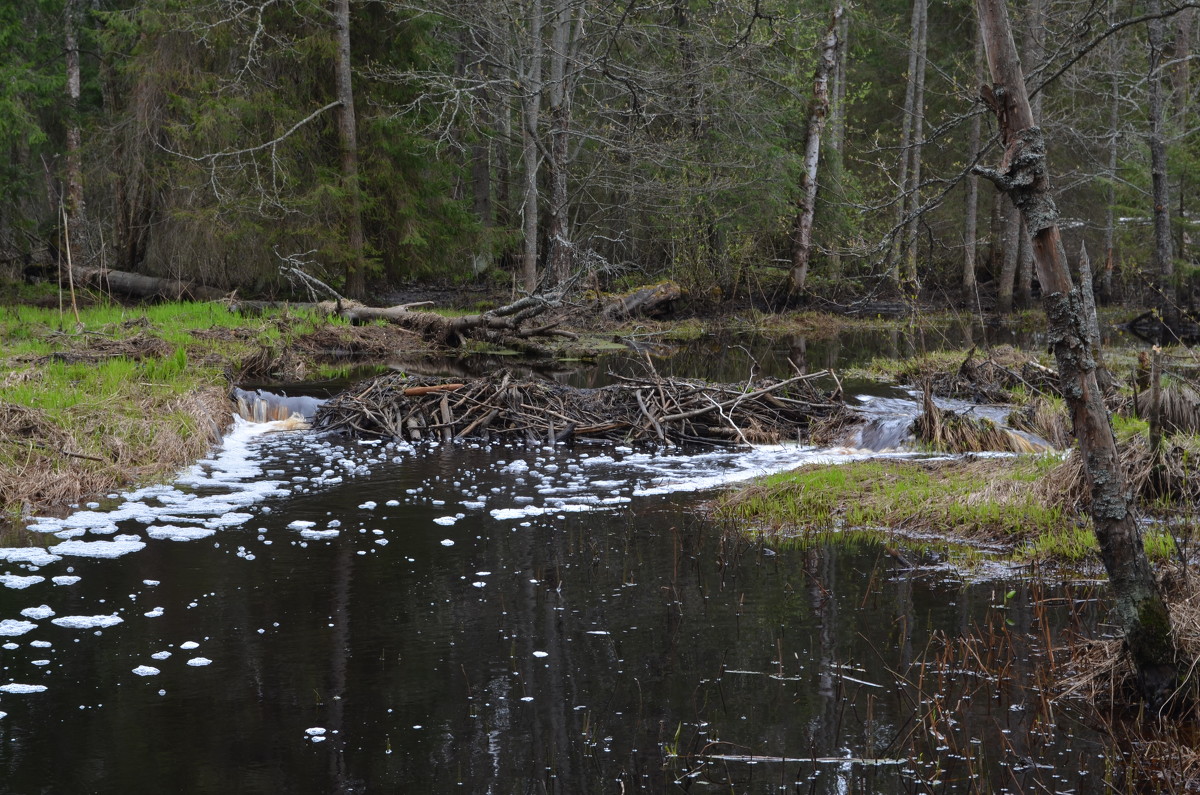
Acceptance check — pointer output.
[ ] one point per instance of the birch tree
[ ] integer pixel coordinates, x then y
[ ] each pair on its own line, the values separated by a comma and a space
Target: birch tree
818, 114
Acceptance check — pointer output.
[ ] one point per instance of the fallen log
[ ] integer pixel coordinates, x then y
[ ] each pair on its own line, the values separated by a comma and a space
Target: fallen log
140, 286
662, 411
653, 301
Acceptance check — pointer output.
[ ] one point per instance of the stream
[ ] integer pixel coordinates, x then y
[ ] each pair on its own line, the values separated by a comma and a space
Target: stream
299, 613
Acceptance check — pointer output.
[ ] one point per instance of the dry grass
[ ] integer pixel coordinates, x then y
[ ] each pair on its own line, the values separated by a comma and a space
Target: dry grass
1180, 405
1046, 418
47, 468
948, 432
1159, 482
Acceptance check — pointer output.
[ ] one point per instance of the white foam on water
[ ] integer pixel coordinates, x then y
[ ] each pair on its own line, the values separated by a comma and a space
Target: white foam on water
188, 645
445, 521
34, 556
18, 583
17, 689
40, 644
541, 654
155, 613
318, 535
170, 532
197, 662
12, 628
38, 613
160, 655
65, 579
146, 670
87, 622
446, 542
121, 545
315, 731
301, 524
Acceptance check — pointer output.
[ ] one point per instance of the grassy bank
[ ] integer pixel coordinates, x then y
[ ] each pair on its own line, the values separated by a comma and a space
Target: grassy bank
1006, 502
129, 395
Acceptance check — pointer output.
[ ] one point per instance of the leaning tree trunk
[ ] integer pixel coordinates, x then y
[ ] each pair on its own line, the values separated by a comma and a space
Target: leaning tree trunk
1022, 174
348, 140
817, 115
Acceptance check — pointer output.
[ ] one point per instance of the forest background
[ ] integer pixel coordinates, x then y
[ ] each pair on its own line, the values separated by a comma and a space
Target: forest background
523, 142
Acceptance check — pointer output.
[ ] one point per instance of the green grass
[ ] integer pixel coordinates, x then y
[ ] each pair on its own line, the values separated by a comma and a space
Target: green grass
960, 502
120, 397
962, 499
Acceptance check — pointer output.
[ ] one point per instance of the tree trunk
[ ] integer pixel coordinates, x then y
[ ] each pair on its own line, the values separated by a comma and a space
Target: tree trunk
911, 281
348, 141
1035, 29
1181, 103
817, 115
906, 134
971, 220
559, 261
1022, 174
837, 130
1011, 251
74, 206
1163, 266
1114, 136
1024, 288
531, 101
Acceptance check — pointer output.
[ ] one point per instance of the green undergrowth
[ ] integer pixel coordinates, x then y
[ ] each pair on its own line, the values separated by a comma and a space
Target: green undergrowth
960, 505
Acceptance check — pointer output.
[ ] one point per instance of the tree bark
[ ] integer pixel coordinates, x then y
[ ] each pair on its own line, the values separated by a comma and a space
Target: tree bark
1140, 608
348, 141
1163, 261
817, 115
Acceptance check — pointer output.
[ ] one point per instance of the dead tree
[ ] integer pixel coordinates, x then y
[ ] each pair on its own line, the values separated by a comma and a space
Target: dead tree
1022, 173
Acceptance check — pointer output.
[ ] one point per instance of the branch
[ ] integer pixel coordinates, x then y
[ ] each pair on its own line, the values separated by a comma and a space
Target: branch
212, 157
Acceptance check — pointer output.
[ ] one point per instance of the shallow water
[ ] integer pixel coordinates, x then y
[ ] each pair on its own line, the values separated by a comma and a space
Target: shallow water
300, 614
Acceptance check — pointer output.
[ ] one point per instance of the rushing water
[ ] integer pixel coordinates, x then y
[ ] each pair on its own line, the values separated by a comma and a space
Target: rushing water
303, 614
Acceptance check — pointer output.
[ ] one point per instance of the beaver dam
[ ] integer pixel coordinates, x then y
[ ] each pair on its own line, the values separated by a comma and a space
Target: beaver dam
653, 410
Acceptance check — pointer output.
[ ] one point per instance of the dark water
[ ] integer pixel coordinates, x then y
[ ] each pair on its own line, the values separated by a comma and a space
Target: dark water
560, 643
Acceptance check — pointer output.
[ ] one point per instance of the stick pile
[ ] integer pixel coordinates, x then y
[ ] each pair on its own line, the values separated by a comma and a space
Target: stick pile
655, 410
